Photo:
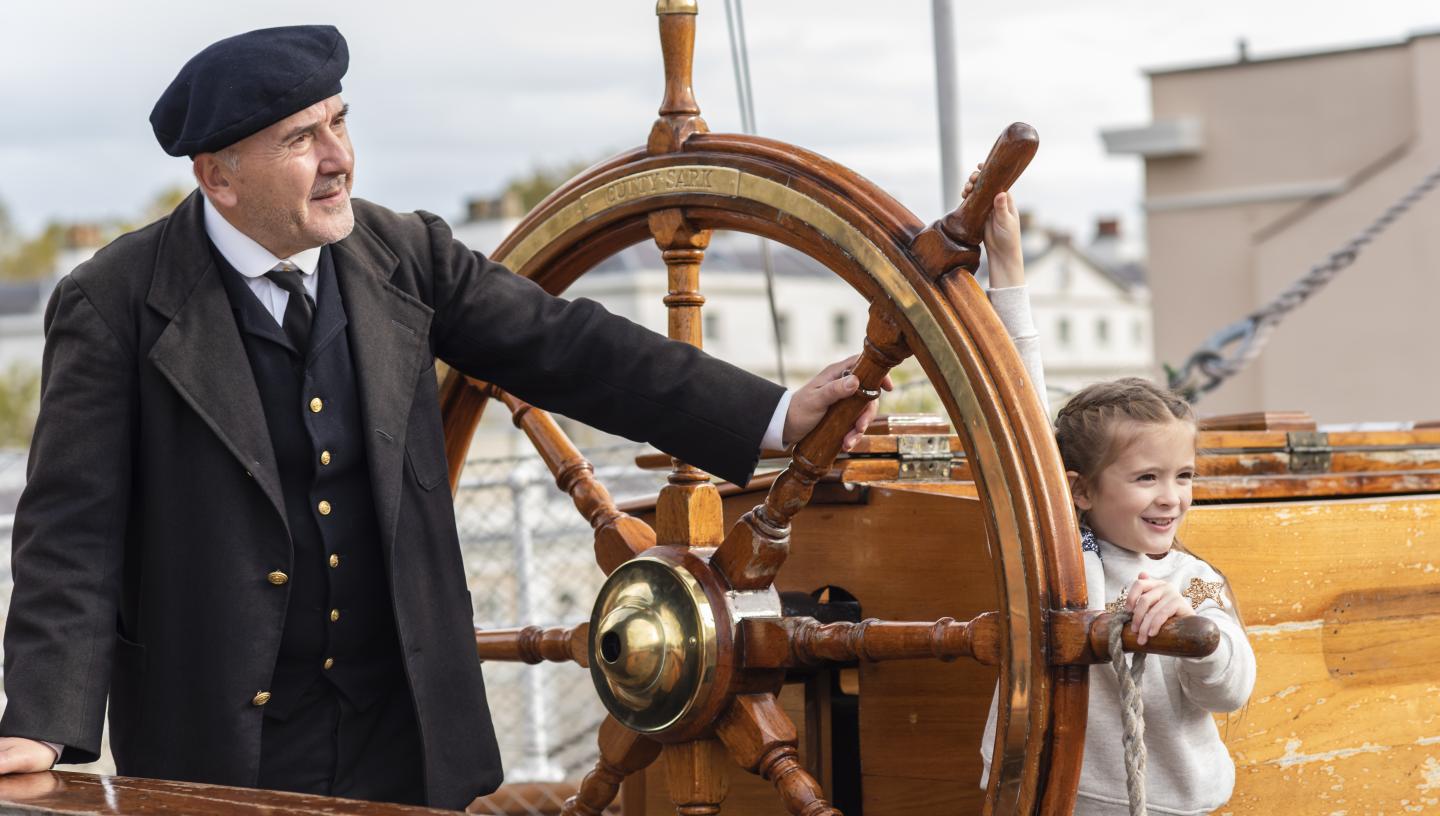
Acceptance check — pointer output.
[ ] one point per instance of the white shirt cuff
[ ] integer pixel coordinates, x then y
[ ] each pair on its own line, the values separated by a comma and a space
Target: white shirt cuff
774, 438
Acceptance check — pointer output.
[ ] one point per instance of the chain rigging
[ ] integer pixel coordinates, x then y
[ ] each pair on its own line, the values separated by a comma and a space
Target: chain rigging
1211, 364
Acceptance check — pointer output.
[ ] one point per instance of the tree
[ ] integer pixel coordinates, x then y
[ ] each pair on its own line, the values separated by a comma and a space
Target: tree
541, 181
19, 403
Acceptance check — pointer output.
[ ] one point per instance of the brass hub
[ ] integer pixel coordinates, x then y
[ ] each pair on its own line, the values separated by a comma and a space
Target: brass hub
653, 646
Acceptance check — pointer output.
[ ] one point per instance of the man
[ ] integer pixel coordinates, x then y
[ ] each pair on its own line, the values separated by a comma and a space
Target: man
235, 523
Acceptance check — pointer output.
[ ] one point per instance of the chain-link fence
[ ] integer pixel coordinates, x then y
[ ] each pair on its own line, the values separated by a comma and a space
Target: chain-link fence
530, 559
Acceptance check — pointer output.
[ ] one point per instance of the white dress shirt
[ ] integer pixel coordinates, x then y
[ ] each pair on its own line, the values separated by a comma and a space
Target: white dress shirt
253, 261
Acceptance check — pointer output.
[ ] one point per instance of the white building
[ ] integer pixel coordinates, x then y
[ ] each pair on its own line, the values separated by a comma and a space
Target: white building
1092, 309
1091, 304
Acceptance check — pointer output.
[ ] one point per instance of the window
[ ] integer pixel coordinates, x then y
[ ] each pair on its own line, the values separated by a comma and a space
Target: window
712, 326
1139, 333
842, 329
1102, 331
1062, 330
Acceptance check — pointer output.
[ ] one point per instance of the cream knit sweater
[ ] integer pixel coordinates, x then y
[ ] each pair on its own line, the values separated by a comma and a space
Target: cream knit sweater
1189, 770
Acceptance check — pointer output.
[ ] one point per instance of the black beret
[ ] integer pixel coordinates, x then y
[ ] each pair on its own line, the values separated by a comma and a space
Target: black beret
243, 84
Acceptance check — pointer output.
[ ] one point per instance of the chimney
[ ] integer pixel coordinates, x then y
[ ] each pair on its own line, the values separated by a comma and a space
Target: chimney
1243, 48
1107, 228
1027, 220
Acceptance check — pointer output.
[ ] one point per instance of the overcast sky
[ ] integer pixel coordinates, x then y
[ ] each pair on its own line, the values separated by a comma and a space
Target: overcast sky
450, 99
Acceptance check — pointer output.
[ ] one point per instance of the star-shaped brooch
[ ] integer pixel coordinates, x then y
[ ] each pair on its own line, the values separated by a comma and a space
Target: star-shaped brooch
1199, 590
1118, 605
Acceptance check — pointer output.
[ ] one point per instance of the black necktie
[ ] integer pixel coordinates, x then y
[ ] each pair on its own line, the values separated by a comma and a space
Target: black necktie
299, 309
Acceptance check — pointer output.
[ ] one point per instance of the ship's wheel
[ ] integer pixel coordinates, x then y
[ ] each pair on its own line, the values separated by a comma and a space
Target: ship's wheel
687, 642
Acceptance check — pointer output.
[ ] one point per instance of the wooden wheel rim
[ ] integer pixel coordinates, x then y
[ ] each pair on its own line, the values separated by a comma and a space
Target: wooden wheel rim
790, 195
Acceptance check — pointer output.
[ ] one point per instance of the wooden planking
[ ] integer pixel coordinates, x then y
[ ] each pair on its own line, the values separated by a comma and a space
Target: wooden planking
1340, 599
1383, 636
1288, 560
1317, 486
911, 554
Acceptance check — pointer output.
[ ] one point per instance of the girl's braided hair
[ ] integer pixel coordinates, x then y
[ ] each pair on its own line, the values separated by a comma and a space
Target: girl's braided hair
1088, 429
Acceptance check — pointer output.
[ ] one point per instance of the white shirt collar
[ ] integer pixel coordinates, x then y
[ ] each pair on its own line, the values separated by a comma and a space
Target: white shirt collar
245, 253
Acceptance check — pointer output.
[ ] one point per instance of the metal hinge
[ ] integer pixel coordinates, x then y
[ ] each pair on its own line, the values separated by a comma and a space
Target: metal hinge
923, 457
1309, 451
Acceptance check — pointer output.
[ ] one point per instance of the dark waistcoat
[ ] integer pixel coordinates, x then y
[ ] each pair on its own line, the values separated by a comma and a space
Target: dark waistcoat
339, 622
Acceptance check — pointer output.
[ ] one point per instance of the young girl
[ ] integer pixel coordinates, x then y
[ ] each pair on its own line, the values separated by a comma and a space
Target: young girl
1129, 452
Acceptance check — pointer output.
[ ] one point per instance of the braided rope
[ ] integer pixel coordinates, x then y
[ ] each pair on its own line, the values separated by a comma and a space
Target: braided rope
1209, 366
1132, 712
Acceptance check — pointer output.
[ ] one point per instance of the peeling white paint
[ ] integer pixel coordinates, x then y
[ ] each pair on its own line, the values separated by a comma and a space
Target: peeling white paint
1428, 741
1287, 692
1283, 628
1294, 757
1431, 771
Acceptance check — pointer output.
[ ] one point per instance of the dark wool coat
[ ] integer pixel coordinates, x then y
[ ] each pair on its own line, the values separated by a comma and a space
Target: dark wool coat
153, 511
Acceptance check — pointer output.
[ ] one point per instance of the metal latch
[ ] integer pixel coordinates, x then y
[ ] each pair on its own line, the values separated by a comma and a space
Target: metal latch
923, 457
1309, 451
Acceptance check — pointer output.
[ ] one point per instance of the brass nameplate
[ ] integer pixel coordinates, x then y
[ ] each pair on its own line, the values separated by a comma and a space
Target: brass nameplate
684, 179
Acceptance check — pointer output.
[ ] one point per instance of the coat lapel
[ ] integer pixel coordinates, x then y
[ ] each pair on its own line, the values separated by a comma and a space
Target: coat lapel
200, 351
389, 340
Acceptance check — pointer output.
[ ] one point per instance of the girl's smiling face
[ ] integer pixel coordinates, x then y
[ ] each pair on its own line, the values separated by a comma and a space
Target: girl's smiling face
1137, 501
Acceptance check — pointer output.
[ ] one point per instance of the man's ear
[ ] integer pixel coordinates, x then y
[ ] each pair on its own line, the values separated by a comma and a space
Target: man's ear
1079, 490
214, 177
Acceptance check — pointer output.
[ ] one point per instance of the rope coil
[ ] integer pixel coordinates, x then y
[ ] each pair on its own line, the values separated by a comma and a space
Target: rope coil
1132, 711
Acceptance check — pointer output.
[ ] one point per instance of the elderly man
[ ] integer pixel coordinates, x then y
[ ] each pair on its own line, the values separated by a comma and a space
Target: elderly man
236, 524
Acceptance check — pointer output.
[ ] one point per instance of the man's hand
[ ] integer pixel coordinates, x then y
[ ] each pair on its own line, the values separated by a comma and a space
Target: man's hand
1154, 601
20, 755
812, 399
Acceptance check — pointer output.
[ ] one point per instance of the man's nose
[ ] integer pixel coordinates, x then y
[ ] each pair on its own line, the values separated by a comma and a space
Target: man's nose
336, 156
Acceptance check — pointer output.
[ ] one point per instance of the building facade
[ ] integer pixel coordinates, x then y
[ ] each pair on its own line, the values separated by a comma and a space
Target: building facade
1255, 170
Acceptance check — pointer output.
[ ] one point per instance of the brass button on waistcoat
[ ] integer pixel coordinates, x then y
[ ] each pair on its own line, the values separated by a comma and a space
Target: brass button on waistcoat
316, 405
277, 578
334, 615
324, 457
329, 661
324, 508
334, 561
260, 698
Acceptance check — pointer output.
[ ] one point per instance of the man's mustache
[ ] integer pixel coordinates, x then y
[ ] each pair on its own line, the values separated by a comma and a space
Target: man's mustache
330, 187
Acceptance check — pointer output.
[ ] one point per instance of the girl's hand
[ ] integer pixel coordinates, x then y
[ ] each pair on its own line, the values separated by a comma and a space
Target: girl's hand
1002, 238
1153, 602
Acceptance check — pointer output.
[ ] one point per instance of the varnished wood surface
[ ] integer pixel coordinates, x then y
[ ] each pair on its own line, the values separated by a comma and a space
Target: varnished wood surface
1341, 599
1259, 421
63, 792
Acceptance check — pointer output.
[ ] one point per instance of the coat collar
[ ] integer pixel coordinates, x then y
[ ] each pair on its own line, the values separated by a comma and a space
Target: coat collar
200, 352
389, 341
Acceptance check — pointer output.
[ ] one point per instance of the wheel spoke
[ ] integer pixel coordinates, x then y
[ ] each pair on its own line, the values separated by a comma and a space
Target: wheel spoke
688, 512
756, 547
1079, 637
622, 752
762, 740
695, 776
618, 535
535, 644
